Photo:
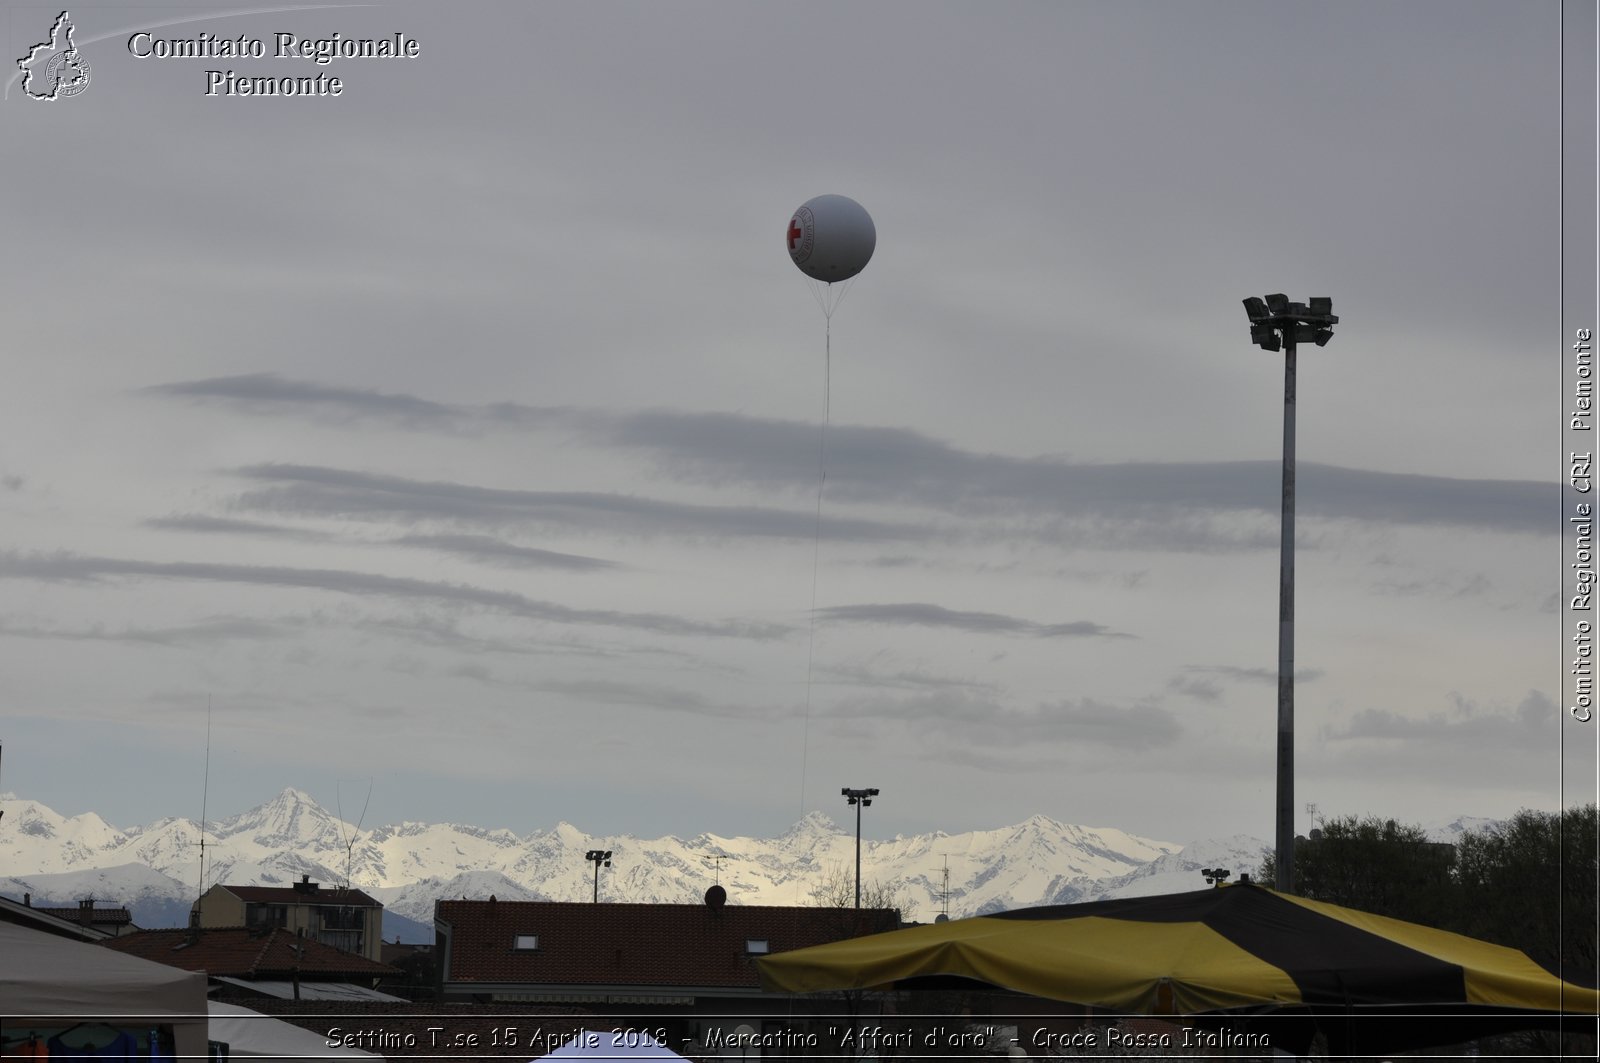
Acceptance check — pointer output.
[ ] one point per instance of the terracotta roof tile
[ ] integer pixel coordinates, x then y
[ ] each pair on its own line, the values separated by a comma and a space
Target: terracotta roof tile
241, 952
89, 915
634, 944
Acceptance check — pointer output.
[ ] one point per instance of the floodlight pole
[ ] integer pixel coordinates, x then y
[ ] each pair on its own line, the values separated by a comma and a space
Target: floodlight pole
1276, 323
1285, 819
858, 856
858, 798
598, 857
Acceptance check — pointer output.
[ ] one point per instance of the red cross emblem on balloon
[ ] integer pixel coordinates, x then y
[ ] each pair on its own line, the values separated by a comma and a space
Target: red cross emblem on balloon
831, 238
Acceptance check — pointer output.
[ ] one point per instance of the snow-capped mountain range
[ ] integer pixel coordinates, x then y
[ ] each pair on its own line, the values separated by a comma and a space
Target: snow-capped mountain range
155, 870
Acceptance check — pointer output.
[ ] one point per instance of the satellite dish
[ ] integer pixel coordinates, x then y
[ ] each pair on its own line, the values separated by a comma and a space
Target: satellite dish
831, 238
716, 897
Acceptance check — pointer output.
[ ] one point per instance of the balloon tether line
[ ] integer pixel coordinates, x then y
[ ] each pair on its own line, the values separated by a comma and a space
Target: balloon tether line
816, 543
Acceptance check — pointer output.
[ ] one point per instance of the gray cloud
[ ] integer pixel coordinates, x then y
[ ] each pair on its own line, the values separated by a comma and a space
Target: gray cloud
1465, 725
880, 464
901, 679
443, 633
1138, 727
986, 722
449, 633
271, 393
69, 568
923, 614
195, 522
1199, 689
481, 548
653, 697
202, 633
1470, 586
499, 552
617, 693
1127, 580
1252, 675
304, 490
874, 463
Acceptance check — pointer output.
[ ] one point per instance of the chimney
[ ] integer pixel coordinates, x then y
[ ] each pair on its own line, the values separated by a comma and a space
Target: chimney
86, 910
27, 900
305, 885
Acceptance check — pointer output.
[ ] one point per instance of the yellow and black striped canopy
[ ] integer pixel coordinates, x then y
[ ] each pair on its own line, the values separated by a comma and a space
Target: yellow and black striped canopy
1236, 947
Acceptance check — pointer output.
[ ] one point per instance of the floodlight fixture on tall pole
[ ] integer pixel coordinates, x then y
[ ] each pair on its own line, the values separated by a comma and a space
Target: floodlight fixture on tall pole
598, 857
1278, 324
860, 799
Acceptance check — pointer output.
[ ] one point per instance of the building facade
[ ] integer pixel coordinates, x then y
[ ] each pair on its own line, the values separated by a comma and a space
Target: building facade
346, 919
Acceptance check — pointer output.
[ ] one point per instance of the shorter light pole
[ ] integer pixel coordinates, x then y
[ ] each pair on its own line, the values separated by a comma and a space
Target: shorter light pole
859, 798
598, 857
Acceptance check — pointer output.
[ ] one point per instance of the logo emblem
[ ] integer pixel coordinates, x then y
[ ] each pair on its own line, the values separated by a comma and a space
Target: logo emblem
802, 234
55, 69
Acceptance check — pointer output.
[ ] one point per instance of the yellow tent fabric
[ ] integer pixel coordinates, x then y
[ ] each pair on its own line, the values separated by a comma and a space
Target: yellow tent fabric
1237, 947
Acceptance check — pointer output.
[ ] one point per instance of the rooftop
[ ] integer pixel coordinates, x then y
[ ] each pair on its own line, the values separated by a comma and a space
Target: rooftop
559, 943
301, 894
248, 953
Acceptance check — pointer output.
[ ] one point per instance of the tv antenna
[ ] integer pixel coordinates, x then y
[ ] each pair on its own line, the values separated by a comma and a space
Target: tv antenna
205, 794
349, 840
944, 892
715, 860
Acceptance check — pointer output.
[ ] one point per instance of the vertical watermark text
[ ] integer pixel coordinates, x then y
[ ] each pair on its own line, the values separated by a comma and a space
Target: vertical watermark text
1580, 521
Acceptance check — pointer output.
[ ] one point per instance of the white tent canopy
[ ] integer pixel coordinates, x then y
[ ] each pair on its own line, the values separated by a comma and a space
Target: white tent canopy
45, 977
259, 1038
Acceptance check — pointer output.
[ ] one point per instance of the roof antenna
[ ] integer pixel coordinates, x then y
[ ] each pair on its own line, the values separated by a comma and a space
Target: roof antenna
205, 793
944, 895
716, 865
350, 841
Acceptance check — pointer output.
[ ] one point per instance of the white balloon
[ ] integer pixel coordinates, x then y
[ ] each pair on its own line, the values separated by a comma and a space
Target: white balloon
831, 238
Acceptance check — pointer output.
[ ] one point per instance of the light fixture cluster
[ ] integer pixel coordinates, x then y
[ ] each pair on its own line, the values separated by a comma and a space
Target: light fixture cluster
1275, 320
599, 858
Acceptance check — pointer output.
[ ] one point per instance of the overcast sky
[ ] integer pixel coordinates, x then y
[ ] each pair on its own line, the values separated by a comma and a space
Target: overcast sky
460, 434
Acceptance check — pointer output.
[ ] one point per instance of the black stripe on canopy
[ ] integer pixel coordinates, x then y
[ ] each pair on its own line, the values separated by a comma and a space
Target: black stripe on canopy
1331, 962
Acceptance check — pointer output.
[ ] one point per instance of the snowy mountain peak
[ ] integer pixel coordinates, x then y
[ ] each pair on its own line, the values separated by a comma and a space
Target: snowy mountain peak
293, 818
812, 825
567, 834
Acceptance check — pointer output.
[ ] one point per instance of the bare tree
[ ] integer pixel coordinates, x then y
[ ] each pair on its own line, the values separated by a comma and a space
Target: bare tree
837, 889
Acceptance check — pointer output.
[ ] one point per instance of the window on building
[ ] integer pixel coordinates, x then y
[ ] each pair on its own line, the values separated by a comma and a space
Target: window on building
266, 915
757, 946
343, 918
343, 940
527, 942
